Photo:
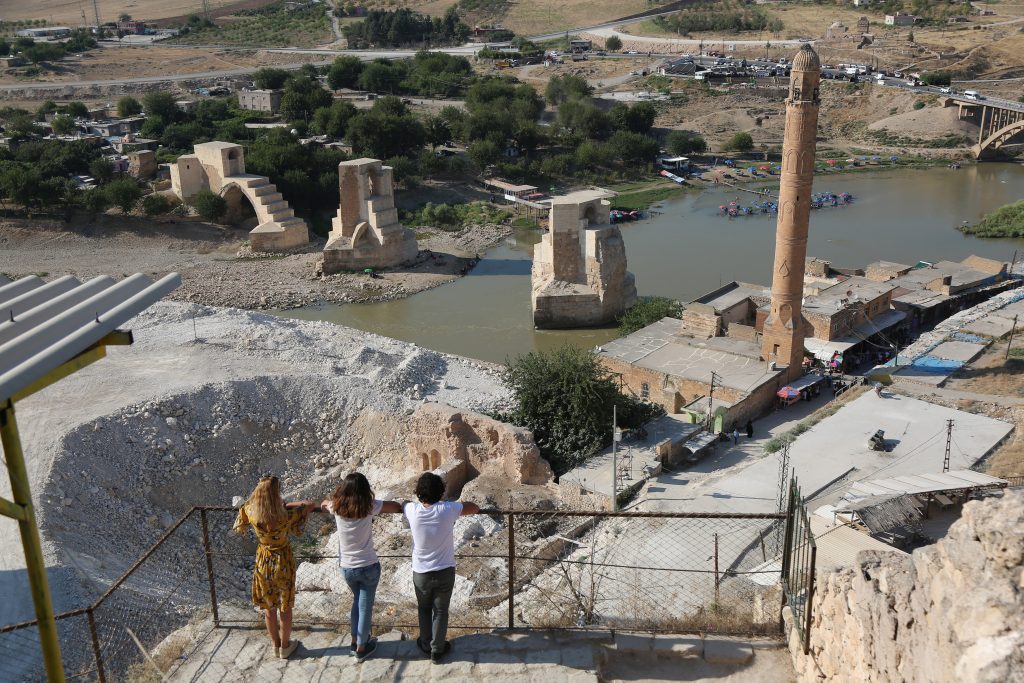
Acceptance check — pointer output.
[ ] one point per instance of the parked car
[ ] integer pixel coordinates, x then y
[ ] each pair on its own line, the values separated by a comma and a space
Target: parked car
945, 90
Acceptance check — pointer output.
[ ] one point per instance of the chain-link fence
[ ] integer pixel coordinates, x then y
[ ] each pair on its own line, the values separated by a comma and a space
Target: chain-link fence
672, 572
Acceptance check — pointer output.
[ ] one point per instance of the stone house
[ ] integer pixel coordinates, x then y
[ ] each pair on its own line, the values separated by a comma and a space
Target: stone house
901, 19
260, 100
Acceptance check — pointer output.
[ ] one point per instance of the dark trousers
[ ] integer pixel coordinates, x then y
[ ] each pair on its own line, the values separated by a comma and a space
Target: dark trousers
433, 593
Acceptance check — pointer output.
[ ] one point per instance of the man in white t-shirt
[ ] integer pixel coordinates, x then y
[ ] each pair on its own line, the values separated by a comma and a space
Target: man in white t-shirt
433, 560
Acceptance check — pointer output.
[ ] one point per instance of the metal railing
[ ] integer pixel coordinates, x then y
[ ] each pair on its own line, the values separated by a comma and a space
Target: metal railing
669, 572
799, 556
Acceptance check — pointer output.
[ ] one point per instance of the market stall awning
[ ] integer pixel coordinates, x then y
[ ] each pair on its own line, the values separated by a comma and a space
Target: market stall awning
822, 349
921, 483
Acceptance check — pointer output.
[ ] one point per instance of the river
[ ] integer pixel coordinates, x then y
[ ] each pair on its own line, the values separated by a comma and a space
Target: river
688, 248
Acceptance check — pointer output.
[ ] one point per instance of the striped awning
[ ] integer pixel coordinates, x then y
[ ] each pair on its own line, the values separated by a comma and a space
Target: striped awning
43, 325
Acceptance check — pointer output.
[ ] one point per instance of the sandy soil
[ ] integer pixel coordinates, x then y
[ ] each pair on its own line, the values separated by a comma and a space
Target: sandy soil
992, 374
213, 273
113, 62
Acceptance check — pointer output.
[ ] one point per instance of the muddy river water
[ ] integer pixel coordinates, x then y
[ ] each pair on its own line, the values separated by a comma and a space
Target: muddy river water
686, 247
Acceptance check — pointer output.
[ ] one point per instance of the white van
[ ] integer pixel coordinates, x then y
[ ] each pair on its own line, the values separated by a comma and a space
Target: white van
971, 94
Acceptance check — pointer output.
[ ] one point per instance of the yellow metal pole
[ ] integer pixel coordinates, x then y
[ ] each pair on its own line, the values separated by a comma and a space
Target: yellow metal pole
35, 565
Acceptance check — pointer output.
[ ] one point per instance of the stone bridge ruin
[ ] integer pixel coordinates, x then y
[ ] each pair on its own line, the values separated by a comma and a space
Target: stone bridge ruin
579, 266
220, 168
366, 232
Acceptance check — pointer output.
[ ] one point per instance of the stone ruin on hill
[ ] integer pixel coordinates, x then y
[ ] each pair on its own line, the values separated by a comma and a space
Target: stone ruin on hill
574, 287
952, 611
366, 232
220, 168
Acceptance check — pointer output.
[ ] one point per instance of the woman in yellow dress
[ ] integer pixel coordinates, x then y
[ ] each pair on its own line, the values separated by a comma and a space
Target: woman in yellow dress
273, 578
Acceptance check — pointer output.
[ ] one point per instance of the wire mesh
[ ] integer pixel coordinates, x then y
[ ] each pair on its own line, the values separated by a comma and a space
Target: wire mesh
522, 569
709, 574
20, 654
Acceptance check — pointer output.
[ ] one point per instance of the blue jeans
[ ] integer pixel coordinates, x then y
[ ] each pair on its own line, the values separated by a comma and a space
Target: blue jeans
363, 583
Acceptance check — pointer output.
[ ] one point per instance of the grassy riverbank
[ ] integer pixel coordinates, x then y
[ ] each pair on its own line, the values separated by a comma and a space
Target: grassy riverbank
1006, 221
641, 195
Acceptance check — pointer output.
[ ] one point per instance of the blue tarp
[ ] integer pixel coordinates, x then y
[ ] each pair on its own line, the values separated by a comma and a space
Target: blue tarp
936, 365
970, 338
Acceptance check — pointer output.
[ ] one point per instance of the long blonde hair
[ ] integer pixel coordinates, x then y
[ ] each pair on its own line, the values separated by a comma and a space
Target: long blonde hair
265, 505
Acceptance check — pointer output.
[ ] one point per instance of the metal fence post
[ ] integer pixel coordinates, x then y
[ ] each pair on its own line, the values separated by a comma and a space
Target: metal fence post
809, 605
209, 568
718, 601
511, 570
96, 652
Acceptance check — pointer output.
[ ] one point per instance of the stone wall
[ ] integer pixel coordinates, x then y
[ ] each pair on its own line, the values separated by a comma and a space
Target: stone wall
953, 611
464, 445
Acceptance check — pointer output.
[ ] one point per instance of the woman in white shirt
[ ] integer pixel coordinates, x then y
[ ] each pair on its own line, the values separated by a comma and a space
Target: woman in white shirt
354, 508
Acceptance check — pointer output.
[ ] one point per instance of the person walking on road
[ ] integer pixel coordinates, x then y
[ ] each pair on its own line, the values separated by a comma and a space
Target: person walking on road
433, 560
735, 436
750, 429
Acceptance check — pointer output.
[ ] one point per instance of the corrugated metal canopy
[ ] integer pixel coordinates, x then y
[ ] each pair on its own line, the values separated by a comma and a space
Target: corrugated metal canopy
921, 483
46, 324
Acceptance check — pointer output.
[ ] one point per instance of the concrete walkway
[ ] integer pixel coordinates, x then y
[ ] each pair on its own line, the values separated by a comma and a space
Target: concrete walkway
243, 655
925, 392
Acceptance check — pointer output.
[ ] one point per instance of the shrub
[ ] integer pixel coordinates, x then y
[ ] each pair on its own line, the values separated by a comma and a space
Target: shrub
155, 204
646, 311
1006, 221
123, 193
919, 105
209, 205
566, 398
681, 142
128, 106
613, 43
740, 142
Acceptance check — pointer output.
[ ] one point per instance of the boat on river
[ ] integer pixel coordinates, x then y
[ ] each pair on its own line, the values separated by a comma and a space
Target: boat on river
819, 200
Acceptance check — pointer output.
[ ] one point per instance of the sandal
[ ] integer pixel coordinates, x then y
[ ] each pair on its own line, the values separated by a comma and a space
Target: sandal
286, 652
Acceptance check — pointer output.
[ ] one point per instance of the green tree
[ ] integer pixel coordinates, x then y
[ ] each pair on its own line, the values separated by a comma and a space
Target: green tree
47, 107
62, 125
567, 87
634, 149
740, 142
44, 52
647, 311
333, 120
128, 106
160, 104
344, 73
484, 153
124, 194
209, 205
155, 204
613, 43
303, 96
76, 110
566, 397
387, 130
638, 118
95, 201
681, 143
270, 78
101, 170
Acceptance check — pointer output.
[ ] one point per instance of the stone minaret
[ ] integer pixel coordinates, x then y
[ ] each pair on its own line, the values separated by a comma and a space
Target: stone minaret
783, 338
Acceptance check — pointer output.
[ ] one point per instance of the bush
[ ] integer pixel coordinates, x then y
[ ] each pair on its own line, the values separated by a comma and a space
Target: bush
128, 106
155, 204
210, 206
566, 398
919, 105
1006, 221
681, 143
613, 43
647, 311
740, 142
124, 194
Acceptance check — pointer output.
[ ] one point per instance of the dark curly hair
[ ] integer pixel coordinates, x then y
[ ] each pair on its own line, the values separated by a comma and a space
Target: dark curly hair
429, 488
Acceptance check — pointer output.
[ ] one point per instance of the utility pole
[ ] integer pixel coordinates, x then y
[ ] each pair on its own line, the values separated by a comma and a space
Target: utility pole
96, 9
1013, 330
711, 398
949, 441
1013, 263
616, 435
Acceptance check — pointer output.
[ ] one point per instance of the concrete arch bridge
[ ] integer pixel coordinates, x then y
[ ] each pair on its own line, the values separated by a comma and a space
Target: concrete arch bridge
220, 168
999, 122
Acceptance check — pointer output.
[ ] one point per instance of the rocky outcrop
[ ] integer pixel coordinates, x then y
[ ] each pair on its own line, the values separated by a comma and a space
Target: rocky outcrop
953, 611
461, 445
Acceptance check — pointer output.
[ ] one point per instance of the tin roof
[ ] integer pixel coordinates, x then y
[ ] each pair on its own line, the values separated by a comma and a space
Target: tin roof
46, 324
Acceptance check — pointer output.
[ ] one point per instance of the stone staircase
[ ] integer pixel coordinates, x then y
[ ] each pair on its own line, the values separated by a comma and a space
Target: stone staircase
278, 228
243, 654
